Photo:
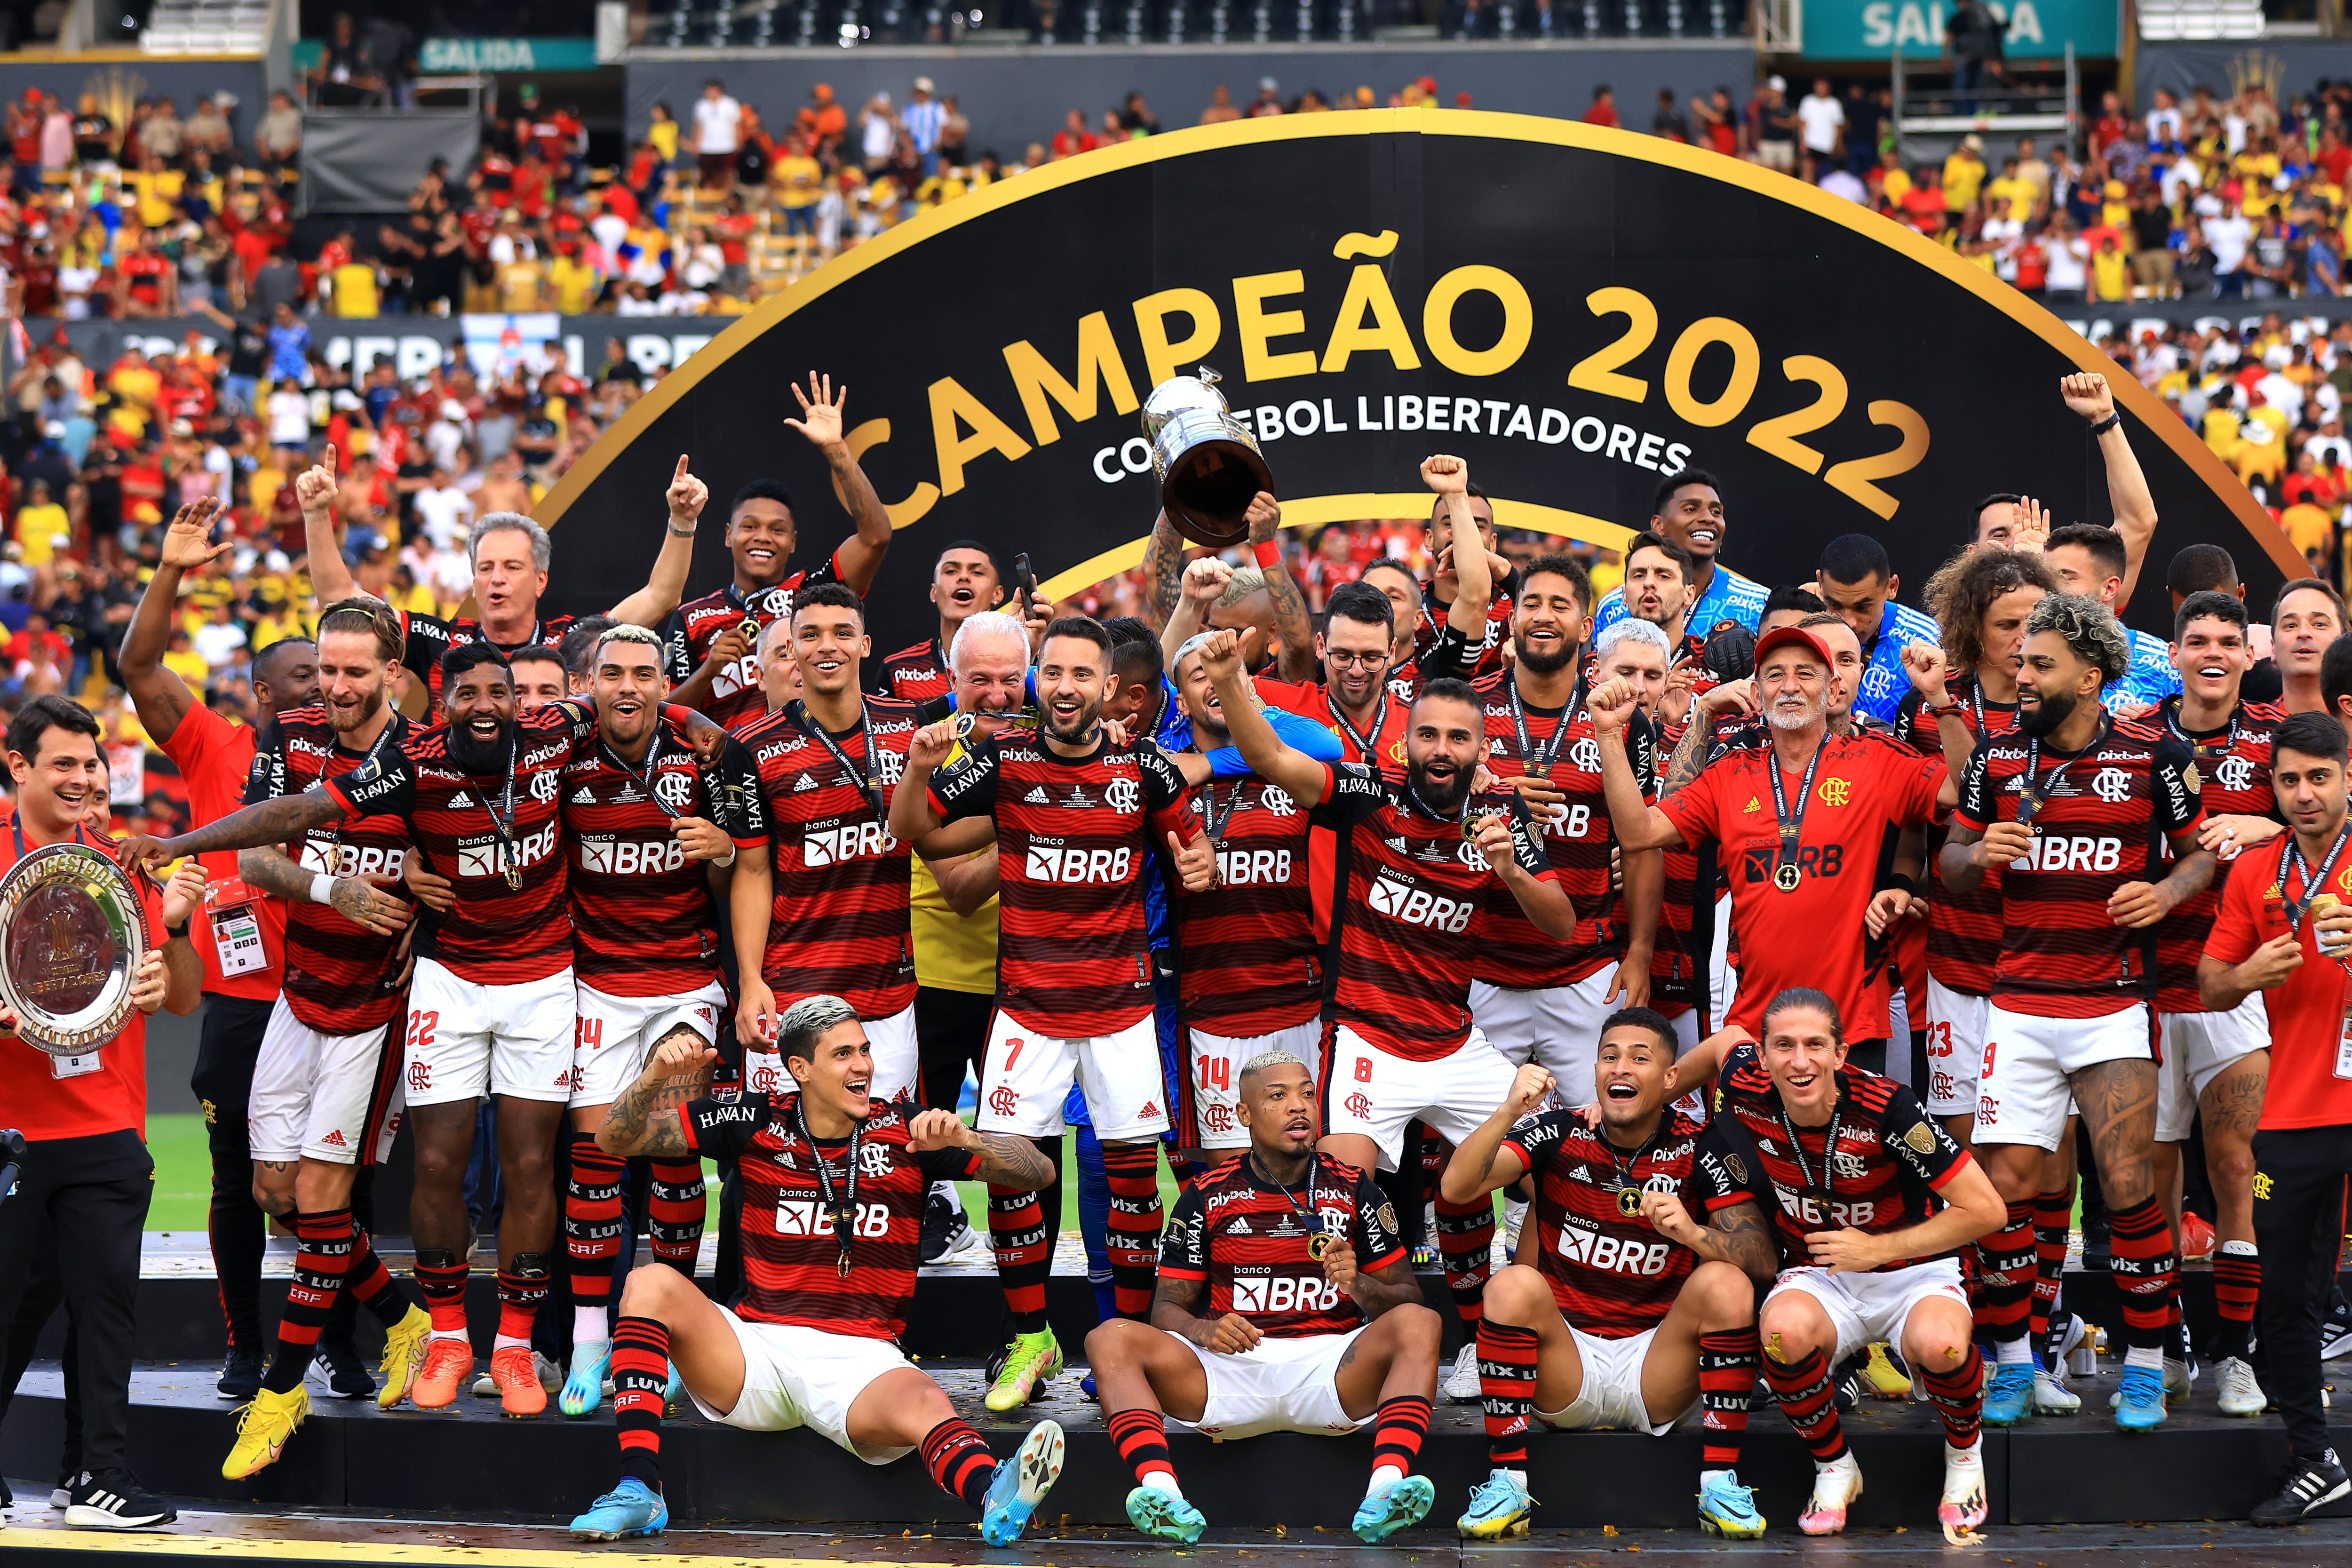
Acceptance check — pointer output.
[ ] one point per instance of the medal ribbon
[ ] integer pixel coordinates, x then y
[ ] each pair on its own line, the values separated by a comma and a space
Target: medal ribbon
1312, 1215
2290, 853
1820, 1192
1367, 748
503, 825
2203, 751
644, 780
1791, 825
2030, 797
845, 1209
1539, 762
799, 710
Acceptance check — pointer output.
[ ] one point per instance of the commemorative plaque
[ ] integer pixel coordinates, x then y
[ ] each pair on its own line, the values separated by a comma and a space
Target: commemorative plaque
72, 928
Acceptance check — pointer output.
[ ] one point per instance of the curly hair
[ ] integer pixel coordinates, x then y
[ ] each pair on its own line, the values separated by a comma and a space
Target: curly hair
1966, 586
2088, 627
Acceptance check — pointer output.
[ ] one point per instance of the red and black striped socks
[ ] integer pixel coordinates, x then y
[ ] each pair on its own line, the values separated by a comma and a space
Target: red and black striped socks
368, 1280
1142, 1438
1465, 1241
1802, 1388
1020, 1226
2237, 1287
591, 1234
1132, 1238
959, 1461
1959, 1397
2005, 1278
1507, 1387
1727, 1381
322, 1255
2053, 1218
673, 1212
441, 1276
2143, 1263
522, 1286
640, 1384
1398, 1428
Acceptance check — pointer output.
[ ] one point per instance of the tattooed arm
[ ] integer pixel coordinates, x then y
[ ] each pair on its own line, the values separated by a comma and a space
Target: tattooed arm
358, 899
1374, 1292
1005, 1160
1291, 622
1736, 1234
646, 1118
1164, 568
271, 822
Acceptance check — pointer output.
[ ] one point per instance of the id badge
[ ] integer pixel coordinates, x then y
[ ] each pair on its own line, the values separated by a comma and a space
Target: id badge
237, 927
2344, 1047
75, 1066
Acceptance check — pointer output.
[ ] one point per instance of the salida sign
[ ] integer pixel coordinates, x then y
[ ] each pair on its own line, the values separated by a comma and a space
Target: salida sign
1577, 311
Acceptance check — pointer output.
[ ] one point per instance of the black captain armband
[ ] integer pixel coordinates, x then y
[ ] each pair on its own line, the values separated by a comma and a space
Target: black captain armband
2109, 423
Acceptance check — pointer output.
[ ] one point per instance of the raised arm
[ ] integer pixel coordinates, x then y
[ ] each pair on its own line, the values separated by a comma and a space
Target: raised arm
1637, 822
1473, 570
162, 698
316, 490
1300, 776
1290, 618
1164, 567
1480, 1164
2088, 394
1005, 1160
1504, 838
822, 421
665, 583
1203, 584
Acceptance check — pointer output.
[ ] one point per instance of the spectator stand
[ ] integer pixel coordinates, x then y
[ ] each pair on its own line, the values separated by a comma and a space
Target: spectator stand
1933, 112
352, 165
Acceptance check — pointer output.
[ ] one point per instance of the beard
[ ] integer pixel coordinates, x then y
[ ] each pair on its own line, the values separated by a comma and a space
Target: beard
1082, 723
1548, 663
345, 719
2053, 709
480, 757
1444, 796
1783, 718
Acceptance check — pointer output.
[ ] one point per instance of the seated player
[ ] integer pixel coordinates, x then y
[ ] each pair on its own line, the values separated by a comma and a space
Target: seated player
1285, 1303
1872, 1199
1633, 1314
833, 1215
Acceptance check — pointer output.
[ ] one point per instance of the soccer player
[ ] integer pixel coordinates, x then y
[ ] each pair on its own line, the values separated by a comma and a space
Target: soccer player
713, 640
540, 675
2215, 1063
1285, 1303
1260, 602
1660, 588
509, 554
1354, 696
2274, 939
1418, 860
648, 832
1791, 894
1688, 509
2090, 560
1077, 821
1869, 1199
1461, 506
1857, 583
240, 937
326, 1085
2070, 810
964, 581
1635, 1313
2306, 620
833, 1207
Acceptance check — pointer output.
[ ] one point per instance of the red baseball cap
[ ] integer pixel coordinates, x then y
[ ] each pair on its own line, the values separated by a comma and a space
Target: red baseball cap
1792, 636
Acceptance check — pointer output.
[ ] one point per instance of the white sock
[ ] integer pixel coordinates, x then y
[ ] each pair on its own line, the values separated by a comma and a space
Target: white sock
446, 1334
1164, 1481
1382, 1478
508, 1341
1518, 1476
2240, 1249
589, 1327
1707, 1478
1846, 1461
2148, 1356
2017, 1352
1971, 1454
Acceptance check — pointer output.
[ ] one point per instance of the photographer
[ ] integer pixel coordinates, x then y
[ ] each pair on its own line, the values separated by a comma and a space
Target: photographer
86, 1170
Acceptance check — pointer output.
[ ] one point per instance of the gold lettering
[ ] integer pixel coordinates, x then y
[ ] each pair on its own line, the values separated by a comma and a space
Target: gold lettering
952, 405
1368, 293
919, 500
1037, 381
1258, 326
1161, 357
1437, 320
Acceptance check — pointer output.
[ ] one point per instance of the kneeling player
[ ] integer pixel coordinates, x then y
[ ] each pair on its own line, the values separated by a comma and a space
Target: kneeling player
1871, 1201
1312, 1319
833, 1215
1634, 1313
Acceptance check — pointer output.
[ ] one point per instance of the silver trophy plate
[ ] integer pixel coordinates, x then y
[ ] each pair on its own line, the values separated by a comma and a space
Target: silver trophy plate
73, 927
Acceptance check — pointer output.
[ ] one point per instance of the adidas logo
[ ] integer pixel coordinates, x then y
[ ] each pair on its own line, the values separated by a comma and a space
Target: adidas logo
1399, 845
1037, 796
807, 782
335, 1139
1149, 1110
585, 798
1752, 804
460, 801
1239, 1227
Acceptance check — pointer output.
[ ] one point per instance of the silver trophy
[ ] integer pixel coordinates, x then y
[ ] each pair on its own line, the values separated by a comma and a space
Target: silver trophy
73, 927
1207, 460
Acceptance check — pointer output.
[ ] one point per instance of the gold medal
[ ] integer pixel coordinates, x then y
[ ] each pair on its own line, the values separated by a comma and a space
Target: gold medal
514, 878
1318, 1245
1629, 1202
1538, 769
1787, 878
750, 629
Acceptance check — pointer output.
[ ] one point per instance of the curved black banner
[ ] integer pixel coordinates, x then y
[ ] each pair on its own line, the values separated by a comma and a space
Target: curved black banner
1576, 310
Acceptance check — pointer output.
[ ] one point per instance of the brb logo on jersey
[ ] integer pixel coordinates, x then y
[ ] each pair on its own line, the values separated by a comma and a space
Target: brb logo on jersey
804, 1216
1237, 867
2070, 852
601, 855
1076, 863
1612, 1255
1419, 907
350, 860
1285, 1293
487, 856
850, 841
1761, 861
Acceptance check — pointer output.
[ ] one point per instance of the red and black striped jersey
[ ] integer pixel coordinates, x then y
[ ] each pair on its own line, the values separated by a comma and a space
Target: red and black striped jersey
736, 696
1407, 928
495, 934
1892, 1158
1075, 837
430, 636
792, 1252
1963, 929
1248, 958
839, 922
2232, 769
341, 978
1866, 787
1611, 1271
1242, 1236
1681, 963
916, 674
644, 921
1579, 840
1486, 658
2106, 813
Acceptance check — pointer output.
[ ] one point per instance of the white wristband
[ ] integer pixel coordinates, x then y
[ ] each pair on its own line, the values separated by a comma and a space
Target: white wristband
722, 865
323, 887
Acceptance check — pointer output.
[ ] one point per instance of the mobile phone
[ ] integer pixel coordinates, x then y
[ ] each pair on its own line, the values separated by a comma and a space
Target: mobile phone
1025, 579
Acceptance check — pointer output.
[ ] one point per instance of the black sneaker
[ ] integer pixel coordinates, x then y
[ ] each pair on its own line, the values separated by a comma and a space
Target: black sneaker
2336, 1331
115, 1501
939, 1219
338, 1360
240, 1376
2309, 1485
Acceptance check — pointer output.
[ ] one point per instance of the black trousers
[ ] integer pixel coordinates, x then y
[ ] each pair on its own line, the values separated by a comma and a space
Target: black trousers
223, 1083
82, 1203
954, 1028
2298, 1192
18, 1337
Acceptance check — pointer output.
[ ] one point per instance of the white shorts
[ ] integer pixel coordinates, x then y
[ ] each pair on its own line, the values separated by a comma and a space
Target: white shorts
2197, 1048
467, 1040
1373, 1093
322, 1096
1559, 1028
795, 1377
1956, 1022
1283, 1385
1214, 1062
1871, 1308
616, 1034
2023, 1093
897, 1066
1722, 980
1898, 1036
1611, 1395
1026, 1078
